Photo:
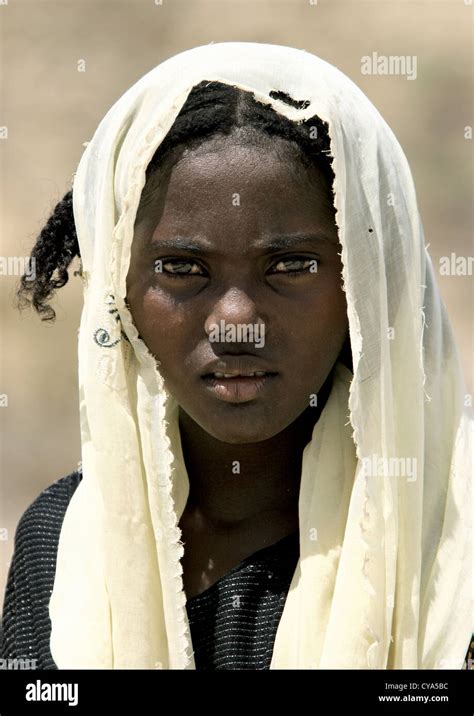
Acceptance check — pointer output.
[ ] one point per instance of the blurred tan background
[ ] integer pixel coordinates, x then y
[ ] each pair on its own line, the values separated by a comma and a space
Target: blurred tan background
50, 109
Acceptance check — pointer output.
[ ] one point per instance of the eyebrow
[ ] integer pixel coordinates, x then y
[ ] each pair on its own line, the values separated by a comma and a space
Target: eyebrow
277, 243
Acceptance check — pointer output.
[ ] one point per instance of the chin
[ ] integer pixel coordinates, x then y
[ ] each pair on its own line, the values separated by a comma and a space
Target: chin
246, 432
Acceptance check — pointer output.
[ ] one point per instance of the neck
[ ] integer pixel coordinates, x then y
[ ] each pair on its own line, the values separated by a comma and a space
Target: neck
269, 473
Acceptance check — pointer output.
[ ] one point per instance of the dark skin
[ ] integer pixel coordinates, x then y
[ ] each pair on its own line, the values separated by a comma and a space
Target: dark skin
236, 277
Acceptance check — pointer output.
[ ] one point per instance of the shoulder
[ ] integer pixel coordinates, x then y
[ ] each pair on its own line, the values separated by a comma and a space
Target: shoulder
46, 513
25, 624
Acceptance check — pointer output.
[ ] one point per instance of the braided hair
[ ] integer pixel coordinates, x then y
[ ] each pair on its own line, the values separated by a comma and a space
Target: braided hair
212, 108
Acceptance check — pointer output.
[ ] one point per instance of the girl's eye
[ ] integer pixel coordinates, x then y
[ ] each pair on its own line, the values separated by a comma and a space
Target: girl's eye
179, 267
295, 265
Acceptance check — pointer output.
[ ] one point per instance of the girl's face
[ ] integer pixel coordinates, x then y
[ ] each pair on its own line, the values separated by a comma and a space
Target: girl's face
236, 270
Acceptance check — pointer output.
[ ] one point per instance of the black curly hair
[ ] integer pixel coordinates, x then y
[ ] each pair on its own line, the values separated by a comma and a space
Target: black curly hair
212, 108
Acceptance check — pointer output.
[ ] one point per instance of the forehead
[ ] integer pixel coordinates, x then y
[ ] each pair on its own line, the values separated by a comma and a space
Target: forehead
221, 178
239, 158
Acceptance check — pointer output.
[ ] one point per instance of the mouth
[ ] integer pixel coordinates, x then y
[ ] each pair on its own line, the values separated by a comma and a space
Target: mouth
238, 387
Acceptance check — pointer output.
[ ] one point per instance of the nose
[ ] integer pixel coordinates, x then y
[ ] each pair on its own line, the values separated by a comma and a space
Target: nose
230, 315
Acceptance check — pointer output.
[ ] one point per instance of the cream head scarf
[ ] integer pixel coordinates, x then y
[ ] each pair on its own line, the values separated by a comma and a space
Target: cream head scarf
384, 579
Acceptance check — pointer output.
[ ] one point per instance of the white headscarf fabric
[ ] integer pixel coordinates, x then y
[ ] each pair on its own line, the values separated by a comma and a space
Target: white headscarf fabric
384, 579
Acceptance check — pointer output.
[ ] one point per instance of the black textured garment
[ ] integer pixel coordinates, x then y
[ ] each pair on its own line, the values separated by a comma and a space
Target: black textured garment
233, 623
26, 626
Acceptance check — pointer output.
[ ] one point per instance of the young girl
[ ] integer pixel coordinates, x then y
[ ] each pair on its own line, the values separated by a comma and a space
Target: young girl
275, 448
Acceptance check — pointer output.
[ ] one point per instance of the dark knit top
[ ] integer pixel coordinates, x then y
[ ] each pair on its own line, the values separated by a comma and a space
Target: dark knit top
233, 623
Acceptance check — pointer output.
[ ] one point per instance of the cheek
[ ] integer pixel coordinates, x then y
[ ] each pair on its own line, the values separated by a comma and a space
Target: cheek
320, 332
167, 329
323, 311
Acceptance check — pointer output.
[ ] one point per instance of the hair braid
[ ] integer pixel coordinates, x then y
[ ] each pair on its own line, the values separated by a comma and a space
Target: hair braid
55, 248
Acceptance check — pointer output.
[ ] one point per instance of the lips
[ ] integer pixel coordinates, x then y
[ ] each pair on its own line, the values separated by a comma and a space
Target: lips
243, 366
256, 374
238, 379
238, 388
